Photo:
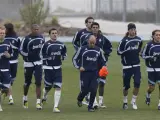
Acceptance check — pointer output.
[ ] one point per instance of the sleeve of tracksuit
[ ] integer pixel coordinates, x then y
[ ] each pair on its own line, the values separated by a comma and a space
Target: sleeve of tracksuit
145, 52
23, 47
120, 49
140, 46
107, 48
102, 59
64, 52
43, 52
76, 40
76, 58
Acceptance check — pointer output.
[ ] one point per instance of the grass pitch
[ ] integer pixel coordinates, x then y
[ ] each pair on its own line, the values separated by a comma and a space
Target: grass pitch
69, 109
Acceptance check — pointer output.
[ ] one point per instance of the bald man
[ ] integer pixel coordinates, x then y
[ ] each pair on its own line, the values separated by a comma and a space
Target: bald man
88, 59
30, 50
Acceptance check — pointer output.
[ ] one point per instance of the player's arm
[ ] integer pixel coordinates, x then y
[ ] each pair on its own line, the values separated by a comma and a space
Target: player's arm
121, 47
140, 46
64, 52
76, 58
43, 52
102, 59
145, 52
76, 40
107, 48
9, 52
23, 47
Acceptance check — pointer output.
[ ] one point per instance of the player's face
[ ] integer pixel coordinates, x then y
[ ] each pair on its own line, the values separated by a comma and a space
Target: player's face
156, 36
132, 32
88, 24
95, 29
35, 30
2, 34
92, 42
53, 34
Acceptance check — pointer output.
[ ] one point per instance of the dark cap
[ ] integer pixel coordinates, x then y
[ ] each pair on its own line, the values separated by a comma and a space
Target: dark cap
131, 26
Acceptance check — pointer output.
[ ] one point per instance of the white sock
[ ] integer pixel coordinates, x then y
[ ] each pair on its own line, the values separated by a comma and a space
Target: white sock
134, 98
38, 101
100, 99
45, 94
125, 100
148, 95
25, 98
95, 101
57, 96
10, 97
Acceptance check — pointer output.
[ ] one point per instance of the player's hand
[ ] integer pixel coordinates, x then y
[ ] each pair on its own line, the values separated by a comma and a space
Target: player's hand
6, 54
81, 69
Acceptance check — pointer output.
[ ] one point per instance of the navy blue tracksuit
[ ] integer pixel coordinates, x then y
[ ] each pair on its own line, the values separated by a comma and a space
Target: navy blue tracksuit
15, 43
5, 79
78, 38
90, 59
53, 52
102, 42
151, 54
30, 50
129, 50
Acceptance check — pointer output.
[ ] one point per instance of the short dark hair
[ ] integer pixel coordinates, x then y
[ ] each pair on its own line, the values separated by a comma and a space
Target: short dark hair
88, 18
34, 25
10, 29
154, 32
95, 23
52, 30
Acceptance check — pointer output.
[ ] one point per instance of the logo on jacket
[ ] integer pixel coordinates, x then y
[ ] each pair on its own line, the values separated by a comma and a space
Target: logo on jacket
37, 46
56, 53
91, 59
133, 47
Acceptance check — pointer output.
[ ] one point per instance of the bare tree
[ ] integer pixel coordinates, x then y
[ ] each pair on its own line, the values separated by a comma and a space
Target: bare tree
34, 13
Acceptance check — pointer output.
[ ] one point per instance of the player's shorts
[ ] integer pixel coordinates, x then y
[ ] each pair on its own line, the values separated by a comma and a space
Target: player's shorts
153, 78
29, 71
5, 79
13, 71
53, 77
128, 73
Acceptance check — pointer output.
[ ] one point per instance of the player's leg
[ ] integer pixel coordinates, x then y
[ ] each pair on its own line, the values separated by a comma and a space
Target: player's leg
28, 71
13, 72
137, 81
127, 73
84, 76
151, 86
158, 81
1, 91
57, 81
38, 80
93, 89
159, 95
5, 84
48, 83
101, 86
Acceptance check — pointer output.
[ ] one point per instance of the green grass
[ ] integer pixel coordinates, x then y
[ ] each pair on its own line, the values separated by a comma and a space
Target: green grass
69, 109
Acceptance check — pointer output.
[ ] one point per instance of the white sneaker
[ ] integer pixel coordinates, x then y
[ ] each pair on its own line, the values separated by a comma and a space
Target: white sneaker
11, 102
1, 108
134, 106
38, 106
95, 106
56, 110
102, 106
